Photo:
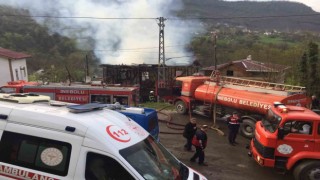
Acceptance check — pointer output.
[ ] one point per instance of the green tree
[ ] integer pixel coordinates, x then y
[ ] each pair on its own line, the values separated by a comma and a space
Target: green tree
313, 65
303, 70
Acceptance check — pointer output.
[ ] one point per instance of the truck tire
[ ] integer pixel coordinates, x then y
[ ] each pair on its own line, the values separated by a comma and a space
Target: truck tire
181, 107
247, 128
307, 170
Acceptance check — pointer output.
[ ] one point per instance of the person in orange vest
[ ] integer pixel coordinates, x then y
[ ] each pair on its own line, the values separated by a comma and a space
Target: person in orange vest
189, 131
233, 126
199, 141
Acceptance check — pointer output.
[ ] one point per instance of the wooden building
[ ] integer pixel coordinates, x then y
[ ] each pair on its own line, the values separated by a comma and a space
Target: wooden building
146, 77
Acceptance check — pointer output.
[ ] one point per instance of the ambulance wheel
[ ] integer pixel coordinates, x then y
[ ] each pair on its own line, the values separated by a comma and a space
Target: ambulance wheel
247, 128
181, 107
307, 170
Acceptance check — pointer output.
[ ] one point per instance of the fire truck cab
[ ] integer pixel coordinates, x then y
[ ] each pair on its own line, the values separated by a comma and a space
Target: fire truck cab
47, 140
288, 138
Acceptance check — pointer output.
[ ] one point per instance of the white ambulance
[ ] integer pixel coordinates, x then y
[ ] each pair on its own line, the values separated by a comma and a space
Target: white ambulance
45, 140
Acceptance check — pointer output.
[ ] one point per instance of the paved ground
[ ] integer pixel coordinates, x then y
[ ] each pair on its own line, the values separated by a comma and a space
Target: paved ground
225, 162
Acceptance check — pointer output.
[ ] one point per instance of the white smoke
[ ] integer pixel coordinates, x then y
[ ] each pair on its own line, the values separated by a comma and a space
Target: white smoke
121, 40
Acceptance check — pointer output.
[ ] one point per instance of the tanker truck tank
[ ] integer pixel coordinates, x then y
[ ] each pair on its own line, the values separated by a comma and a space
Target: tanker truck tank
256, 102
251, 98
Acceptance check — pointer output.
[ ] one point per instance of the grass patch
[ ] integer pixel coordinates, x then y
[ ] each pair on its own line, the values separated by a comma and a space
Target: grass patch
158, 105
271, 39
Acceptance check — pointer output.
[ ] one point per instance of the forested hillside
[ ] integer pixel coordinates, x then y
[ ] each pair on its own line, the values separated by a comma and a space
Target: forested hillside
50, 51
279, 15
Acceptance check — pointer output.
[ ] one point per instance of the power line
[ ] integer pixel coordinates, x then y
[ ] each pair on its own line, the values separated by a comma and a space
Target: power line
133, 49
73, 17
167, 59
154, 18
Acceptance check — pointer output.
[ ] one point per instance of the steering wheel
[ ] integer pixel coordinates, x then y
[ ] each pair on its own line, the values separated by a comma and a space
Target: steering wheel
288, 126
297, 125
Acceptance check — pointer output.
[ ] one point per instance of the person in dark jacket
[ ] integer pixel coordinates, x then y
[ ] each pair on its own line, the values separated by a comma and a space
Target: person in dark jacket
315, 102
233, 126
189, 131
199, 141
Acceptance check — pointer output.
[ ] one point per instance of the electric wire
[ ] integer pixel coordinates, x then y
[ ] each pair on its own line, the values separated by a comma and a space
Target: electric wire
156, 18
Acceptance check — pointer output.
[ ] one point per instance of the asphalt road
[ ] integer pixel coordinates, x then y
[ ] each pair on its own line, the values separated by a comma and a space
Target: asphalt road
225, 162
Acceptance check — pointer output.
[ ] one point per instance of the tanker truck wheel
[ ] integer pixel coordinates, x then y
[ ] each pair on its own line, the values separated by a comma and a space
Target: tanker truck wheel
247, 128
181, 107
307, 170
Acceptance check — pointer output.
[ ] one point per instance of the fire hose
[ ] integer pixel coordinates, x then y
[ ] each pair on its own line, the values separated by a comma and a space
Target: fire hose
169, 123
172, 125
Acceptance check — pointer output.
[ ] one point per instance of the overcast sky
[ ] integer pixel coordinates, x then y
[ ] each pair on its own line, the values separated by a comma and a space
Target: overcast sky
314, 4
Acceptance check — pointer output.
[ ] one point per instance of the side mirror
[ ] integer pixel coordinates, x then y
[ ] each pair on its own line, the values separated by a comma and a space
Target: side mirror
281, 133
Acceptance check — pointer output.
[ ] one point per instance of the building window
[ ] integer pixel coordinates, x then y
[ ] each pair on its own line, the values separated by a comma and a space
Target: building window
101, 98
229, 73
145, 76
123, 100
23, 71
17, 75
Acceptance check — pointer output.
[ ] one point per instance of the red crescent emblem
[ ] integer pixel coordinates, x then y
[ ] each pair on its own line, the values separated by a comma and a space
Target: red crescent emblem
118, 134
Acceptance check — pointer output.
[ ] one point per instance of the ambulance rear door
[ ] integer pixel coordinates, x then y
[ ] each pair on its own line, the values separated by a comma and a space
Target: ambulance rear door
29, 152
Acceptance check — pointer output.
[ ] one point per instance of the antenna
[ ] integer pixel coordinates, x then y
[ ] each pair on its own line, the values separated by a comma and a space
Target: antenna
161, 63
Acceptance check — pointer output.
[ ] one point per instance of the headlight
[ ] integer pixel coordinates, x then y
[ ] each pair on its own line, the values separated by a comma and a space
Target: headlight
260, 160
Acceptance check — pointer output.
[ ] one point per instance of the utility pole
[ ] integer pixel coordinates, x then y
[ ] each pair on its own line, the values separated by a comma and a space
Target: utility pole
161, 63
87, 65
216, 75
214, 39
87, 77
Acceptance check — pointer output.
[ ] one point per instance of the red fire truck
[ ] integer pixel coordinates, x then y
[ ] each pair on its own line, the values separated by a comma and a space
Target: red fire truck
251, 98
288, 138
77, 93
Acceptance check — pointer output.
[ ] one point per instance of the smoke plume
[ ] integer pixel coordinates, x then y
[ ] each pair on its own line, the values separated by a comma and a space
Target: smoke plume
118, 31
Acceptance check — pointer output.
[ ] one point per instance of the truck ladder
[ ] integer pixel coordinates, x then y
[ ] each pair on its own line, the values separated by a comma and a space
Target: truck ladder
261, 84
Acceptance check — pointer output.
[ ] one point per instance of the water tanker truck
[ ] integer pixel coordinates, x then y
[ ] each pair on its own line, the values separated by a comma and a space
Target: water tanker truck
206, 95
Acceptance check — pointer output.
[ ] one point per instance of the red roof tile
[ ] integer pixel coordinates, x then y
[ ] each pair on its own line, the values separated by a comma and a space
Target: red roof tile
12, 54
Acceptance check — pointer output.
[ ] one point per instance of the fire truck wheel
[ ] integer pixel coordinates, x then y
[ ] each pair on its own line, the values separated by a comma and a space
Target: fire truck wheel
307, 170
247, 128
181, 107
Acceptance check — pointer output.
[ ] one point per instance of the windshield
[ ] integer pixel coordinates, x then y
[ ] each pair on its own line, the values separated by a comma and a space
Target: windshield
271, 121
153, 161
7, 90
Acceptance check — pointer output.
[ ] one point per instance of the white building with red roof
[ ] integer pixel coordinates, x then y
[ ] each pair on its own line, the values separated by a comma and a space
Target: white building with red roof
13, 66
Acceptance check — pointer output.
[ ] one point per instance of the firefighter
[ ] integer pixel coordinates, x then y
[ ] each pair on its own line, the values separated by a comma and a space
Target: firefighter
189, 131
199, 141
315, 102
233, 126
151, 96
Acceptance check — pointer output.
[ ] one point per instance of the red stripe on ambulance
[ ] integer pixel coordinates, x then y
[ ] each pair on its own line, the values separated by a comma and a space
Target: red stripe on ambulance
20, 174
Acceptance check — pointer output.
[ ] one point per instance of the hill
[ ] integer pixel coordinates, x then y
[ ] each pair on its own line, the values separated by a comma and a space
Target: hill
279, 15
55, 54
